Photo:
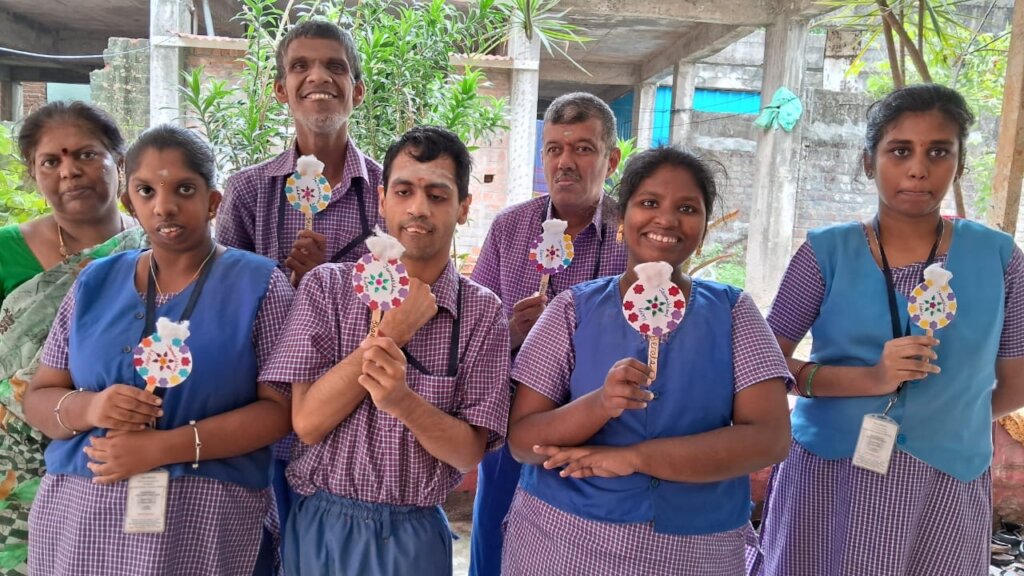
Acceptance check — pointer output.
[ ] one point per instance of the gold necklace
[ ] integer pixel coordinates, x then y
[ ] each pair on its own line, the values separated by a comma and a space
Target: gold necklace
63, 249
153, 268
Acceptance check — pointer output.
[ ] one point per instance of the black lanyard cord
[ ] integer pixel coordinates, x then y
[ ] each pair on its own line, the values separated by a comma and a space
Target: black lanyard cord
890, 284
364, 222
453, 347
190, 306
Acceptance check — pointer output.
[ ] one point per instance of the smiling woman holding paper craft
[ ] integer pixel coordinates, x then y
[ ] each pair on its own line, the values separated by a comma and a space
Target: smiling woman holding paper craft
892, 439
630, 476
143, 484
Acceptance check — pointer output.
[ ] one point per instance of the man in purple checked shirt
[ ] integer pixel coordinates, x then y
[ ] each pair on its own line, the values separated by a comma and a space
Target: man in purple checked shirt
579, 155
319, 77
391, 423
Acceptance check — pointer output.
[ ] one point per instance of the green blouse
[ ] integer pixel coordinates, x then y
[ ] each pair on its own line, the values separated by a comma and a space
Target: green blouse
17, 262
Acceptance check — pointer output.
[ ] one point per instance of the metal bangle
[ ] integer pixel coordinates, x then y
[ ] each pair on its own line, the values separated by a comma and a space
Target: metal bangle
195, 432
56, 412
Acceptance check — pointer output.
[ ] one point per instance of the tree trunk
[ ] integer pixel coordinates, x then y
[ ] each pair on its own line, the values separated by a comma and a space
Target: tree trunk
915, 55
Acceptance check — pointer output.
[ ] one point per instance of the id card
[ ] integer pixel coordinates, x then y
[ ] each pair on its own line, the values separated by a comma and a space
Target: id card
146, 512
875, 443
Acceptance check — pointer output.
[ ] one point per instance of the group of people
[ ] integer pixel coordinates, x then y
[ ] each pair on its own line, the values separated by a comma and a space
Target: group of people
287, 438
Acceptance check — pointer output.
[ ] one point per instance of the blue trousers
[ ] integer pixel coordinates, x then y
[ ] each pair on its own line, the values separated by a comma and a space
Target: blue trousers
497, 478
331, 535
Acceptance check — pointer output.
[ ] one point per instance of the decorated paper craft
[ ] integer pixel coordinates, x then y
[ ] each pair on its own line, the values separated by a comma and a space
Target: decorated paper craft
552, 251
932, 304
163, 358
307, 189
379, 277
654, 306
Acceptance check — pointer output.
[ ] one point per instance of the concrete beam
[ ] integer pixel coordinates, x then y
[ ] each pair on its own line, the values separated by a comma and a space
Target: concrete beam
1009, 170
773, 206
731, 12
697, 43
600, 73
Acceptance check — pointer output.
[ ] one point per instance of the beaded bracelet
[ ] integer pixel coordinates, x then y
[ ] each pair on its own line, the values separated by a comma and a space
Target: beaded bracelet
195, 432
56, 412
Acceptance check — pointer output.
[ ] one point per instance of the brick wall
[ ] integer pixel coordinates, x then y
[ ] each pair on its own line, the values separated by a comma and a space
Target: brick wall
33, 96
490, 162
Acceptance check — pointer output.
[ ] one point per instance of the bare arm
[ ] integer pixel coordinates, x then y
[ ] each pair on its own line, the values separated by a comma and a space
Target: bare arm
758, 437
903, 359
118, 407
319, 407
537, 421
1009, 393
121, 455
445, 437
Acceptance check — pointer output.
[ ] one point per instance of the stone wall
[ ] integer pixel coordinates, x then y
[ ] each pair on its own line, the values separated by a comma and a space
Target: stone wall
121, 87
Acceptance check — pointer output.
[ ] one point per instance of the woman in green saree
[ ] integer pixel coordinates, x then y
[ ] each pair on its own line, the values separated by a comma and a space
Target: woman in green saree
73, 152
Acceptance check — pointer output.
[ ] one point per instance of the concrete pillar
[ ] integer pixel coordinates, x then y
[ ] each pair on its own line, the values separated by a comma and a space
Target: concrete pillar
166, 19
684, 82
773, 206
522, 134
643, 113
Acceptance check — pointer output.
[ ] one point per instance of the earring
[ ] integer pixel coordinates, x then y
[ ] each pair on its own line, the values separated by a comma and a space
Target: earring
870, 174
618, 234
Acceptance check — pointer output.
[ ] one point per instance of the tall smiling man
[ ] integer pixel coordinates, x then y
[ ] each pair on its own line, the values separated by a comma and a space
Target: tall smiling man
320, 78
391, 423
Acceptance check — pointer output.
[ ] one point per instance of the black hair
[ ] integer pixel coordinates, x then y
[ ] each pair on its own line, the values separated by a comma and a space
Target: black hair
95, 120
426, 144
917, 98
321, 29
197, 154
644, 164
577, 107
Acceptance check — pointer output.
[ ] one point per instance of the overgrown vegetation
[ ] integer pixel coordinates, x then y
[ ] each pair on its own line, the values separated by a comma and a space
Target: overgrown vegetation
18, 202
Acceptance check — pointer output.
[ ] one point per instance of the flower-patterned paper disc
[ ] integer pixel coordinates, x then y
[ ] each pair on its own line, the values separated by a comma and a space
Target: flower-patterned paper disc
307, 190
380, 284
932, 304
654, 305
163, 359
552, 251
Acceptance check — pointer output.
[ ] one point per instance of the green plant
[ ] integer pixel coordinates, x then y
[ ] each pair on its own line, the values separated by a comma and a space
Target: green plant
244, 123
628, 148
18, 202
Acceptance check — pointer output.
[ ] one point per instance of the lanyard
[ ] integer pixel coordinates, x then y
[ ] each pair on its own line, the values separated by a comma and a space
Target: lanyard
600, 245
364, 222
150, 326
894, 311
453, 347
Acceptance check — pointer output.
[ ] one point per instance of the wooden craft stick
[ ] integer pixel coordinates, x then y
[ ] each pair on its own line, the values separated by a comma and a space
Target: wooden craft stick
375, 318
544, 279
